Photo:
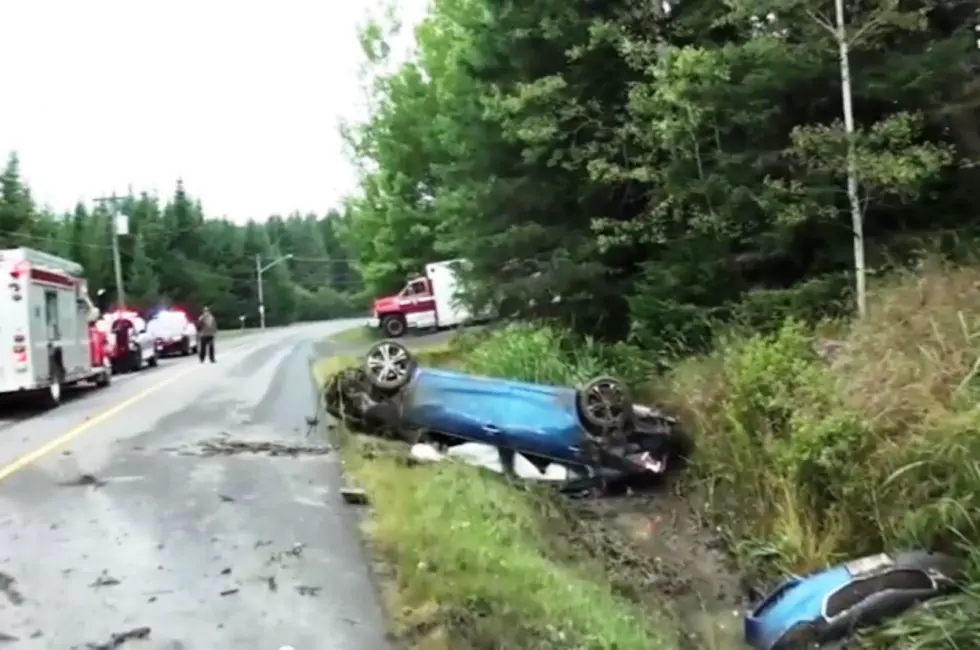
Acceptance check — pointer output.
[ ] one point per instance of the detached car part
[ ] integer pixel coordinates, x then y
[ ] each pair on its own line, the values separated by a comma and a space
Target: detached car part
595, 430
827, 606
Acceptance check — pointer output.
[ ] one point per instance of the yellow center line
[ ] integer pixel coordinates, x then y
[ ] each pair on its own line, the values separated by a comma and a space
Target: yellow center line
65, 438
62, 440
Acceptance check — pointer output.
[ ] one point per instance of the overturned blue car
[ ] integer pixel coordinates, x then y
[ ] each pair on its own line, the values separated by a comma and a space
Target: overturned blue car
827, 606
595, 430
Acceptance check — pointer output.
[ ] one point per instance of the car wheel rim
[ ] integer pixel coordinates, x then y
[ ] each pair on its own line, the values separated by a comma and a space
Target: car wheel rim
388, 364
605, 402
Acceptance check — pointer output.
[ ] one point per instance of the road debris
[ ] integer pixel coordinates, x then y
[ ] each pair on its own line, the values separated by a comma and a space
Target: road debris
8, 587
304, 590
226, 571
229, 592
85, 480
6, 638
354, 496
226, 499
223, 447
117, 639
273, 584
104, 580
311, 422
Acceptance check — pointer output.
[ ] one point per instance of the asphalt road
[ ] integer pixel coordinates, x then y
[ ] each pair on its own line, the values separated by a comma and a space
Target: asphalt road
113, 517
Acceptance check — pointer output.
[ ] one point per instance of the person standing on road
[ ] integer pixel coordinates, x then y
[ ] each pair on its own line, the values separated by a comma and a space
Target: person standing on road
207, 328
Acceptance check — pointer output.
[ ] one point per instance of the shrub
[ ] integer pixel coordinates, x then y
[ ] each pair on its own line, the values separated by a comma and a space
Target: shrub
876, 449
548, 355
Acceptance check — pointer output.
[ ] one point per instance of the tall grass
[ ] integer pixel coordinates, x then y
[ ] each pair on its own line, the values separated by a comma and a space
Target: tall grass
814, 461
808, 460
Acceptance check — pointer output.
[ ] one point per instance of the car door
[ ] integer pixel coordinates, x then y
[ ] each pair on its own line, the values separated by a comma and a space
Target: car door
418, 304
540, 419
461, 405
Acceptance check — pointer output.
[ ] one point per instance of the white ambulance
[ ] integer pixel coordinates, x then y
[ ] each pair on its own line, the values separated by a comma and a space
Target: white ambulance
47, 319
428, 301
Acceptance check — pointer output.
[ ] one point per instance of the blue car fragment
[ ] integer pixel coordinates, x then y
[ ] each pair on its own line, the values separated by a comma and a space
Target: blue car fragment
595, 429
829, 605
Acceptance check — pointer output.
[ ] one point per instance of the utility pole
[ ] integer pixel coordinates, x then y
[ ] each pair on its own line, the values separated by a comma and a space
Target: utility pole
259, 270
113, 202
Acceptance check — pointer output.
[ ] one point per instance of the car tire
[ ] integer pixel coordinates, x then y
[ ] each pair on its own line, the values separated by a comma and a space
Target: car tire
604, 404
136, 359
153, 362
104, 378
389, 366
50, 397
185, 347
394, 326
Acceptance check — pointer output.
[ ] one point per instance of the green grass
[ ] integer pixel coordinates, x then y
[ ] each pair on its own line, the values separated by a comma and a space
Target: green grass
473, 561
357, 334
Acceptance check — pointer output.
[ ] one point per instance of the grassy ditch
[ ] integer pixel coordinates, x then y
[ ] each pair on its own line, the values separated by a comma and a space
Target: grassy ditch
807, 454
811, 459
355, 335
477, 563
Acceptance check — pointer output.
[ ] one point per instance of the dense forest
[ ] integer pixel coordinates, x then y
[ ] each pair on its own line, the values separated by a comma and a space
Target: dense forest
174, 254
665, 166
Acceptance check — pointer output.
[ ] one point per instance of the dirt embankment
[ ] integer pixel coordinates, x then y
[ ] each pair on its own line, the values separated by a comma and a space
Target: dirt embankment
658, 550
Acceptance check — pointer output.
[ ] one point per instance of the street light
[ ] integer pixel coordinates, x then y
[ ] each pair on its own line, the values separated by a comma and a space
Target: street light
259, 270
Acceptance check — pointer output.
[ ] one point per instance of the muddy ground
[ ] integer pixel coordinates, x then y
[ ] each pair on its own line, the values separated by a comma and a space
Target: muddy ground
659, 551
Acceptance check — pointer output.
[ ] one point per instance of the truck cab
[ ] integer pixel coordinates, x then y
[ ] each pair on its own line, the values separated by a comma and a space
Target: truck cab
427, 301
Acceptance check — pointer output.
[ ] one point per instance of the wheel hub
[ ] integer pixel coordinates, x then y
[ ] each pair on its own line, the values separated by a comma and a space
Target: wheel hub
388, 363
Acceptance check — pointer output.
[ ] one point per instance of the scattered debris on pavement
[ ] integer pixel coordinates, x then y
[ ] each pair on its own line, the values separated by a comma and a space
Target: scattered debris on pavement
104, 580
225, 447
304, 590
311, 422
354, 496
6, 638
226, 499
229, 592
8, 587
117, 639
85, 480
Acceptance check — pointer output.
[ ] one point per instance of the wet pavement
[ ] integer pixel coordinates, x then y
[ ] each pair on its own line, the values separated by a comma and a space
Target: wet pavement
185, 507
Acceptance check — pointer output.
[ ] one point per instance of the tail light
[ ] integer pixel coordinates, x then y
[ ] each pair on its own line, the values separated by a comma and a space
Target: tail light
19, 350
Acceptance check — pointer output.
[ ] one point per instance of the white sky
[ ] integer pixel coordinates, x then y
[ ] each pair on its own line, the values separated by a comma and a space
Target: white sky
240, 98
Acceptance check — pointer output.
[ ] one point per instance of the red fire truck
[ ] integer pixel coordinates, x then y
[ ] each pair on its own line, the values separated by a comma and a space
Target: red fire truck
47, 318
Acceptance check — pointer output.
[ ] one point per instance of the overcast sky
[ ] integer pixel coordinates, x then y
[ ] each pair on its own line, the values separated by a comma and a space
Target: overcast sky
241, 99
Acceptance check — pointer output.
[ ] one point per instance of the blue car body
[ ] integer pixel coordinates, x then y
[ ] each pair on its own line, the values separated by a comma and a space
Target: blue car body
828, 605
793, 602
596, 429
531, 418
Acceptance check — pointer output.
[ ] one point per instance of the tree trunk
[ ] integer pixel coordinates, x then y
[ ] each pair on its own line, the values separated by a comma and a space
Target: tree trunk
857, 219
